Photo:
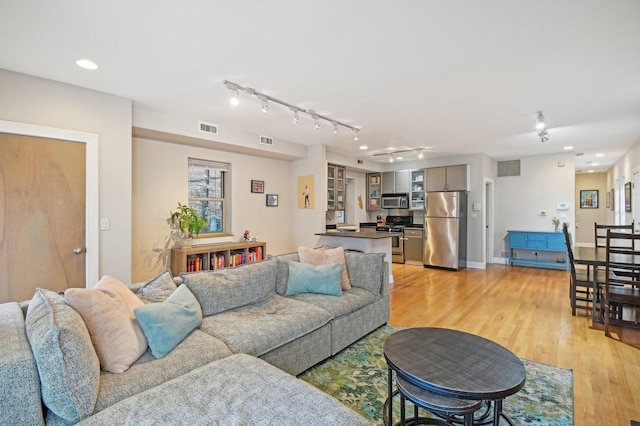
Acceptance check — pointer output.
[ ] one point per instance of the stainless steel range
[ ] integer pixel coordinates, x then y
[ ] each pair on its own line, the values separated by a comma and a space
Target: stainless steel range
396, 224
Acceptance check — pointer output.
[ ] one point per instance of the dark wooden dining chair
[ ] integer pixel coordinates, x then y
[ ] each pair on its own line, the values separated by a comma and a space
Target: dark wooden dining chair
601, 232
621, 290
580, 281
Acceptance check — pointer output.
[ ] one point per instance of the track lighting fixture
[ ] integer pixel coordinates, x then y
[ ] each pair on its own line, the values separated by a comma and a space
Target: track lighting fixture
265, 99
235, 93
265, 103
541, 126
400, 154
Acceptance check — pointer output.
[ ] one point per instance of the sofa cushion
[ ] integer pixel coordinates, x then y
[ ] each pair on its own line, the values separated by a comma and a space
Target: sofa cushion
158, 288
239, 390
166, 324
116, 337
366, 270
262, 327
321, 279
20, 402
350, 301
67, 363
225, 289
324, 256
282, 270
196, 350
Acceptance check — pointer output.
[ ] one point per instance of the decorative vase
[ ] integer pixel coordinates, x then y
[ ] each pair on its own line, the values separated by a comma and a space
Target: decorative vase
556, 226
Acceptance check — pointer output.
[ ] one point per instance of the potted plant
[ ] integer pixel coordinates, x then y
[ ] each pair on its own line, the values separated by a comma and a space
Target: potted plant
187, 222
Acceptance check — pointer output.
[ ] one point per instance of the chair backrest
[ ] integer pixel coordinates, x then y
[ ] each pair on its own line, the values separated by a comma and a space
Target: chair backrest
567, 240
601, 233
623, 260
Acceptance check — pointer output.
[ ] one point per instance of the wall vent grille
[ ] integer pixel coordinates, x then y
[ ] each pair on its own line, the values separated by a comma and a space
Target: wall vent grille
509, 168
266, 140
208, 128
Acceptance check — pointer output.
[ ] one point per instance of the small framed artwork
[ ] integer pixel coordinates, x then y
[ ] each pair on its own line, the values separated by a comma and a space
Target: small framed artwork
257, 186
272, 200
588, 198
627, 197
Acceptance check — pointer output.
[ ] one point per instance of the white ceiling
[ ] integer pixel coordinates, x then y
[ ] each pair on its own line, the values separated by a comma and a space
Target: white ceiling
455, 76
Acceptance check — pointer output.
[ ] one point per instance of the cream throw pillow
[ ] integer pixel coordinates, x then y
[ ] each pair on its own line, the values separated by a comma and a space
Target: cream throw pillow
107, 311
324, 257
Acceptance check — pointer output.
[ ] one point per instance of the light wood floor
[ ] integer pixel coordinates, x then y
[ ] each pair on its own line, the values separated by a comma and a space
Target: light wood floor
528, 311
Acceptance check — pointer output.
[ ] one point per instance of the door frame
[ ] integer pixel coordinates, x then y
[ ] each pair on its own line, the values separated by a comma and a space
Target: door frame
488, 222
92, 236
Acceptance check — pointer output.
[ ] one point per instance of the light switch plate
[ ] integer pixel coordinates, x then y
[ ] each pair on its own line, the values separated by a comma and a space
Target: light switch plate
104, 224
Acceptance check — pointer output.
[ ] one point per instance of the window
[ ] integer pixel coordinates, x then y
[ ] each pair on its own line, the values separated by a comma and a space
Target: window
208, 182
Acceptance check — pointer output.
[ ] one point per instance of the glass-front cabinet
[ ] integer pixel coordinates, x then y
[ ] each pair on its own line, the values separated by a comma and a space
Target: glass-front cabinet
335, 187
417, 189
374, 191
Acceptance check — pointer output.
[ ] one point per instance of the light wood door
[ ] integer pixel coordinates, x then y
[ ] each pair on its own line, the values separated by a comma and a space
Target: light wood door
42, 215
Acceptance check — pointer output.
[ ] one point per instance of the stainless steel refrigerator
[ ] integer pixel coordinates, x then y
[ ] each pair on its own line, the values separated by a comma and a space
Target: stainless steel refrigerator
445, 230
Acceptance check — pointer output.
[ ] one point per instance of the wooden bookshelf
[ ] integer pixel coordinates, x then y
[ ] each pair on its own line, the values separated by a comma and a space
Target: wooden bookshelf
216, 256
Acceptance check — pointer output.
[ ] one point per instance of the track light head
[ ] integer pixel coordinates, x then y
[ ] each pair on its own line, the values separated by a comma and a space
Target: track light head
296, 117
335, 128
235, 92
265, 103
541, 123
357, 135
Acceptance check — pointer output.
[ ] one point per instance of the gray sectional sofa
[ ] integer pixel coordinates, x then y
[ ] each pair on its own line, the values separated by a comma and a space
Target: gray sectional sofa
238, 367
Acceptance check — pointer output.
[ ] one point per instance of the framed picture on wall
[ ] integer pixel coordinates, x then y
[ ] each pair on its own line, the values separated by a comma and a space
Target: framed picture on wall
272, 200
588, 198
257, 186
627, 197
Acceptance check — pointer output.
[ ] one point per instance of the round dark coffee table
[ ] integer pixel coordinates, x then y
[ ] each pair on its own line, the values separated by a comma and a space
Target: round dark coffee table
454, 364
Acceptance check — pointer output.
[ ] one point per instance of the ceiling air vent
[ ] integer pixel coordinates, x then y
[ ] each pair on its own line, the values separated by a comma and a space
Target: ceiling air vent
509, 168
208, 128
266, 140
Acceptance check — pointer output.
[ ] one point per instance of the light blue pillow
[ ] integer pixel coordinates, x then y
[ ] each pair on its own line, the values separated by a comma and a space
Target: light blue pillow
166, 324
321, 279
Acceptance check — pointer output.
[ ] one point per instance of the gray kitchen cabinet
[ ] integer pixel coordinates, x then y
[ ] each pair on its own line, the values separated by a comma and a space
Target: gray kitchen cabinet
448, 178
395, 182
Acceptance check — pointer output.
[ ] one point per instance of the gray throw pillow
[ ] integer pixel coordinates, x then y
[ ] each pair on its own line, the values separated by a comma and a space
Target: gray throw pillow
159, 288
67, 362
229, 288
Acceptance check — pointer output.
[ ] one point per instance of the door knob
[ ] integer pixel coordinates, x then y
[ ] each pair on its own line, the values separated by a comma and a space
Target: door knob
77, 250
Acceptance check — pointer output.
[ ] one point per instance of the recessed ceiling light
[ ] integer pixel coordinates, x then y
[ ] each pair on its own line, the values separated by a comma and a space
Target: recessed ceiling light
595, 164
87, 64
400, 157
364, 147
590, 171
599, 154
568, 148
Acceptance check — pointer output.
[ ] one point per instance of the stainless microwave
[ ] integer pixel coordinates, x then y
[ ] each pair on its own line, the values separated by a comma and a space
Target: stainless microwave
395, 201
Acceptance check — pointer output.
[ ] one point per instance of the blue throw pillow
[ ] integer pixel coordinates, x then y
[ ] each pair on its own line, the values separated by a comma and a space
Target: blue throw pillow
321, 279
166, 324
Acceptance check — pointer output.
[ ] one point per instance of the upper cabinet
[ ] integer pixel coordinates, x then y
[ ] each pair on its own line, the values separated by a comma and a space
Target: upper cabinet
335, 187
448, 178
417, 190
395, 182
374, 191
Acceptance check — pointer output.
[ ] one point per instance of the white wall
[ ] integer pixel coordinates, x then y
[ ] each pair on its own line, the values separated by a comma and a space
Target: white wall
32, 100
541, 186
306, 222
622, 172
160, 182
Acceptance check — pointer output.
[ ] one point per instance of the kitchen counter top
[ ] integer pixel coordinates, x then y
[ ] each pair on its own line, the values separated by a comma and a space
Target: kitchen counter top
374, 235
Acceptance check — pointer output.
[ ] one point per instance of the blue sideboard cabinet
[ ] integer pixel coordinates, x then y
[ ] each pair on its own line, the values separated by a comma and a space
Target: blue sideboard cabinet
538, 249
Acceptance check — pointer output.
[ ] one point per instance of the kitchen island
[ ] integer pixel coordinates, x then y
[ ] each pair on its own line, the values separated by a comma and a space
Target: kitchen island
364, 241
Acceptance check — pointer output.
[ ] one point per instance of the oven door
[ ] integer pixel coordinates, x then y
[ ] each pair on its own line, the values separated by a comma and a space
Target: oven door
397, 249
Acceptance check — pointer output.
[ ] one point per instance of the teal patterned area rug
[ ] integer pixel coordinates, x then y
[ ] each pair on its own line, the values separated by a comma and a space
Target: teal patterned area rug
357, 376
